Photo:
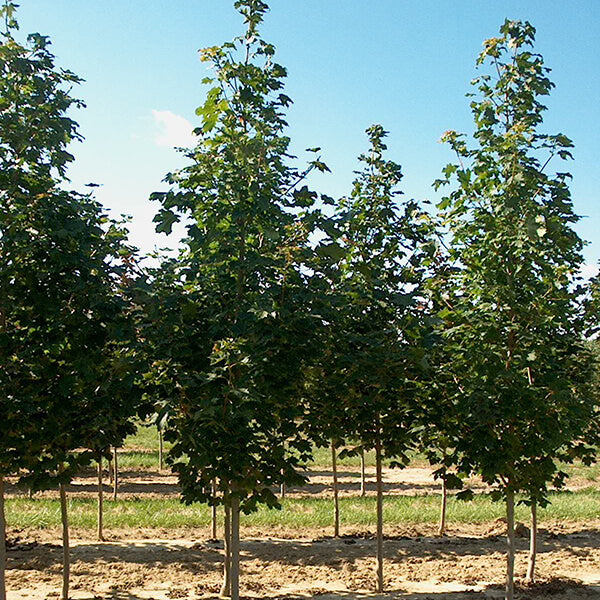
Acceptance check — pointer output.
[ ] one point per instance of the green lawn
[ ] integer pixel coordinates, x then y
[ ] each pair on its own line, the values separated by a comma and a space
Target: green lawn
141, 451
145, 438
295, 514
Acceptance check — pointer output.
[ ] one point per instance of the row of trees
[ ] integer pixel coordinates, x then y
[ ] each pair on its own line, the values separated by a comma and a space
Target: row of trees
291, 319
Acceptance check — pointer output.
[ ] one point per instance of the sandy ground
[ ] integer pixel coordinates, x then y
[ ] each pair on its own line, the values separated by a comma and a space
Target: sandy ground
465, 564
409, 481
468, 563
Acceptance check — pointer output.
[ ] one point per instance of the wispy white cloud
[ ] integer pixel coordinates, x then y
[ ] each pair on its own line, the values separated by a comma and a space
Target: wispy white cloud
173, 130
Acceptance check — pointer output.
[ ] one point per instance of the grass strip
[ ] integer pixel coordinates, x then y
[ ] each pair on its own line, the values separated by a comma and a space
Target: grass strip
141, 450
296, 513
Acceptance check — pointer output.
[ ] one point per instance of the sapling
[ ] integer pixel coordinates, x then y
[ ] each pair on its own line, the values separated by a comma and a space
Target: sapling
240, 327
514, 331
375, 347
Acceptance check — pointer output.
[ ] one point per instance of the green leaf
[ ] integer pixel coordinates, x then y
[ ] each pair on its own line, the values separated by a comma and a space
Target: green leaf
165, 220
333, 251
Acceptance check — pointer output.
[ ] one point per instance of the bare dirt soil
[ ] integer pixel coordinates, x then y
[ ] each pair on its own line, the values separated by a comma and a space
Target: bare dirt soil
467, 564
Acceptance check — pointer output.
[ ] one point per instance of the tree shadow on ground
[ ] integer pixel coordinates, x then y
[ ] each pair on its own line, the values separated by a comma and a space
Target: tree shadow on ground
327, 551
203, 562
195, 558
317, 488
127, 488
142, 483
556, 589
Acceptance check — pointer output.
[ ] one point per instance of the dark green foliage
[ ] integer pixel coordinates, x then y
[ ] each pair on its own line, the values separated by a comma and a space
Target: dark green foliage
235, 309
59, 313
514, 329
375, 355
34, 99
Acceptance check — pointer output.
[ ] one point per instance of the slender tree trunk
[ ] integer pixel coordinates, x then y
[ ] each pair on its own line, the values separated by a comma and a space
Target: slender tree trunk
226, 586
442, 528
110, 470
235, 549
65, 542
115, 474
100, 500
336, 505
532, 544
160, 450
2, 542
510, 538
282, 491
363, 478
30, 493
213, 512
379, 516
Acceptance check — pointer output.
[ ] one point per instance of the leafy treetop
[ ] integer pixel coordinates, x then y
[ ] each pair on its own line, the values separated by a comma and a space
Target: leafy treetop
515, 327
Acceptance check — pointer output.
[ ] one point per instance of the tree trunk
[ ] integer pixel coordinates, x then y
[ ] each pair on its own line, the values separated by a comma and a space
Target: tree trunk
379, 517
110, 469
100, 499
510, 538
363, 478
235, 549
115, 474
532, 544
65, 542
30, 493
282, 491
226, 586
2, 542
442, 529
336, 506
160, 450
213, 512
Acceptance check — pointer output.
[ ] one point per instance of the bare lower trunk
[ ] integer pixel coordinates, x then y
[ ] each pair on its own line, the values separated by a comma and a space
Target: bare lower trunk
226, 586
30, 493
2, 542
110, 470
160, 450
510, 538
213, 512
65, 542
379, 517
282, 491
115, 474
363, 479
235, 549
442, 528
100, 500
532, 544
336, 505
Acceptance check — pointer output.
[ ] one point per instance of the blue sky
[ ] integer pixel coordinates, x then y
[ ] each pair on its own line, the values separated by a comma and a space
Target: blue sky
351, 63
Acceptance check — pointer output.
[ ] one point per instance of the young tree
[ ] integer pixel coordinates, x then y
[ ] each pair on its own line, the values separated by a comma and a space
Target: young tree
117, 395
234, 411
59, 259
441, 390
34, 133
516, 326
384, 246
59, 313
325, 384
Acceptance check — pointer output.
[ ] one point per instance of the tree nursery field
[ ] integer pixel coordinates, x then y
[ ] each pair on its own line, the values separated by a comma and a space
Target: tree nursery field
156, 548
350, 397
